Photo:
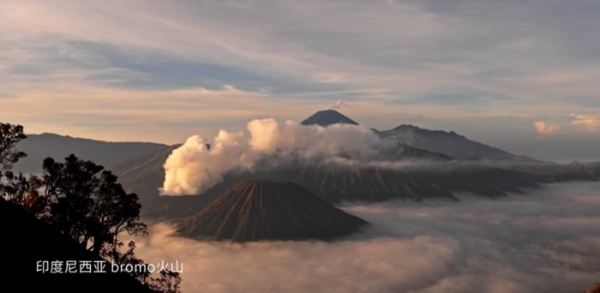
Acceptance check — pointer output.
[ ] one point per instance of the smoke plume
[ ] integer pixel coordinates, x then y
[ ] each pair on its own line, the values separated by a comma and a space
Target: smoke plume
193, 168
338, 105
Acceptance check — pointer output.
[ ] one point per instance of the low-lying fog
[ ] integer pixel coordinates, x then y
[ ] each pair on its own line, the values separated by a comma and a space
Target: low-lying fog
544, 241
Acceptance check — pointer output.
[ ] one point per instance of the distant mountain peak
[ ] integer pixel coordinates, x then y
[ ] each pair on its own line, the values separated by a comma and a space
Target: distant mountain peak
328, 117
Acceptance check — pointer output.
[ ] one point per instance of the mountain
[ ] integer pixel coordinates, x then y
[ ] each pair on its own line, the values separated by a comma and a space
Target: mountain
327, 117
418, 164
437, 141
108, 154
448, 143
557, 172
404, 151
269, 210
400, 171
142, 174
29, 241
339, 184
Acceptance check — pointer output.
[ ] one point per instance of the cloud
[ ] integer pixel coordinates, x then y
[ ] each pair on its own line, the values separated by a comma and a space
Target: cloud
519, 61
546, 128
588, 122
125, 114
193, 169
545, 241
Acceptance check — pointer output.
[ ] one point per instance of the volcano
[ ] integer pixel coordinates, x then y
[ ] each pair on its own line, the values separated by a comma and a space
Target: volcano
328, 117
416, 164
269, 210
447, 143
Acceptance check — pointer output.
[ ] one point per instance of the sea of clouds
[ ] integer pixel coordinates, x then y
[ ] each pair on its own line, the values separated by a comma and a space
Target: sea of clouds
545, 241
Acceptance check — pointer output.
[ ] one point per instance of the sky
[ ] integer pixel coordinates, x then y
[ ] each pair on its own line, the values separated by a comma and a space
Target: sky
165, 70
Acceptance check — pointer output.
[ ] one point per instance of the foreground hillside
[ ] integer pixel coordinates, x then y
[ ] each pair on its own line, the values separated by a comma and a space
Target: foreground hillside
31, 242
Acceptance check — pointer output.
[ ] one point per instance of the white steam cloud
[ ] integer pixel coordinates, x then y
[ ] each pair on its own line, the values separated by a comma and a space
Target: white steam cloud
193, 168
546, 241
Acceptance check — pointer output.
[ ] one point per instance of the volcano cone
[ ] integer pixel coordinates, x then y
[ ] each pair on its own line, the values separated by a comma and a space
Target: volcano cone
269, 210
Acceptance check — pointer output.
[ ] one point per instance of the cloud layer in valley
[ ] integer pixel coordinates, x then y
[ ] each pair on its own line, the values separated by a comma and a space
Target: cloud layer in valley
546, 241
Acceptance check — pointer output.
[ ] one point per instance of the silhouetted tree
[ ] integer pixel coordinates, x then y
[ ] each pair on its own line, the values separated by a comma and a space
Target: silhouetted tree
10, 135
168, 282
83, 201
14, 188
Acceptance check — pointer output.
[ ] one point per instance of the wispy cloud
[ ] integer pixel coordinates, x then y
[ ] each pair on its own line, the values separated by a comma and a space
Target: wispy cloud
545, 128
431, 59
590, 123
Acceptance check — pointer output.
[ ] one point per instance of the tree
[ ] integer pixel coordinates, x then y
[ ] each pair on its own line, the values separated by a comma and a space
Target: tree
168, 282
17, 186
10, 135
83, 201
87, 203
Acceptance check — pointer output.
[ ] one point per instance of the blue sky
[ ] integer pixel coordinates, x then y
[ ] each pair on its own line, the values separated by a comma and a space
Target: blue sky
164, 70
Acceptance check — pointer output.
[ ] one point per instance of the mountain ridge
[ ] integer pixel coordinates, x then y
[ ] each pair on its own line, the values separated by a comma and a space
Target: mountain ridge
446, 142
56, 135
108, 154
